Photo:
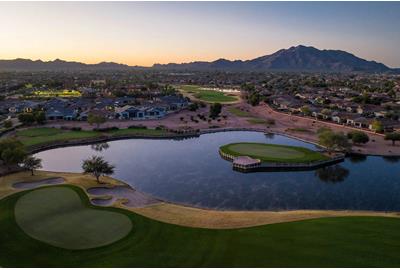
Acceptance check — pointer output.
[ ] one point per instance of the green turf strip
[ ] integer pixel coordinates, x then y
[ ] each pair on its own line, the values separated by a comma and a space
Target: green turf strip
273, 152
207, 95
325, 242
57, 216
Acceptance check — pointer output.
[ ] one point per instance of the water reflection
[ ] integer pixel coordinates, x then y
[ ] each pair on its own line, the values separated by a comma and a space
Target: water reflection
393, 159
100, 147
354, 158
332, 174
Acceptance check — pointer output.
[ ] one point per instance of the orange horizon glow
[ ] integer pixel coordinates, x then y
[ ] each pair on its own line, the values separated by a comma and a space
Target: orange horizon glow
146, 33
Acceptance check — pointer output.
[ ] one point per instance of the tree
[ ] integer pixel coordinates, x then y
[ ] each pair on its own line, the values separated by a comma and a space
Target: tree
358, 137
12, 152
40, 117
193, 107
305, 110
7, 124
377, 126
393, 136
254, 99
26, 118
215, 110
96, 119
334, 141
31, 163
97, 166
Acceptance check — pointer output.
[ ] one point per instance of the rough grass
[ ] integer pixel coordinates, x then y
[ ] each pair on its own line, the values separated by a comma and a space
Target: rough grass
207, 95
57, 216
238, 112
257, 121
273, 152
326, 242
301, 130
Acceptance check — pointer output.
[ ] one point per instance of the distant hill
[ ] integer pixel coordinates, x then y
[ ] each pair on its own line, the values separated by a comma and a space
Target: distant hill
299, 58
56, 65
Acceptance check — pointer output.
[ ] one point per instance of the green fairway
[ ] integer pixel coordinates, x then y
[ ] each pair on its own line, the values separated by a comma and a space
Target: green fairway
57, 216
325, 242
36, 136
207, 95
273, 152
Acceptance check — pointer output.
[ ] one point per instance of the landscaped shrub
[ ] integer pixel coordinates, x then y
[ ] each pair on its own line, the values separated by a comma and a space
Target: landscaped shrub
106, 129
137, 127
76, 128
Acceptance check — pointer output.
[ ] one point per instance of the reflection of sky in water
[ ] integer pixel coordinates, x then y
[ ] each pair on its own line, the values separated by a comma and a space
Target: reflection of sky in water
191, 171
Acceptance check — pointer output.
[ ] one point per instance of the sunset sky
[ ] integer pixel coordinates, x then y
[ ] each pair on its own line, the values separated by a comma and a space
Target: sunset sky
144, 33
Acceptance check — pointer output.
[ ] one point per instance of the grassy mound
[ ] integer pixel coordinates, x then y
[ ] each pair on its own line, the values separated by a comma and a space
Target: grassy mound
273, 152
325, 242
57, 216
207, 95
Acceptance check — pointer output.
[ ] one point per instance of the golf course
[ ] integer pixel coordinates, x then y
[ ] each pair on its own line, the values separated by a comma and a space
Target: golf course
210, 96
91, 236
273, 152
44, 135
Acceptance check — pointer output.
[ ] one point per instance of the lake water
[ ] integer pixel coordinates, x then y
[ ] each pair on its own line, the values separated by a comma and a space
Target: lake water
191, 171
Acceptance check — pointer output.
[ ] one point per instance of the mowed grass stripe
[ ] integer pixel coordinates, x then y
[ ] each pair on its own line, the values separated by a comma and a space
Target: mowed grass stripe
273, 152
57, 216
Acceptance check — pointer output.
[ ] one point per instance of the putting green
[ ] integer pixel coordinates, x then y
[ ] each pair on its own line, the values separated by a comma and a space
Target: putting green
273, 152
57, 216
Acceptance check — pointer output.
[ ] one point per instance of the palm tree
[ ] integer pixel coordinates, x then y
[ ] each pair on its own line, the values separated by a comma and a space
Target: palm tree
31, 163
97, 166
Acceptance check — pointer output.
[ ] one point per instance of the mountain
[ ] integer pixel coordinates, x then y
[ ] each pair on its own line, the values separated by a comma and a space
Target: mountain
56, 65
299, 58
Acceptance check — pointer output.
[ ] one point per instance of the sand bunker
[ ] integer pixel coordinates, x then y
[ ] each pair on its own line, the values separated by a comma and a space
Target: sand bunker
35, 184
133, 198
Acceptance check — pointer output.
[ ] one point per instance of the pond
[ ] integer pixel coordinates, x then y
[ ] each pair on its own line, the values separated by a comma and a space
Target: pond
190, 171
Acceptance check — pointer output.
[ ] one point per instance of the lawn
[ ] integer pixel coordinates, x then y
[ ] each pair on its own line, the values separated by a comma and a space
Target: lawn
36, 136
57, 216
325, 242
207, 95
273, 152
